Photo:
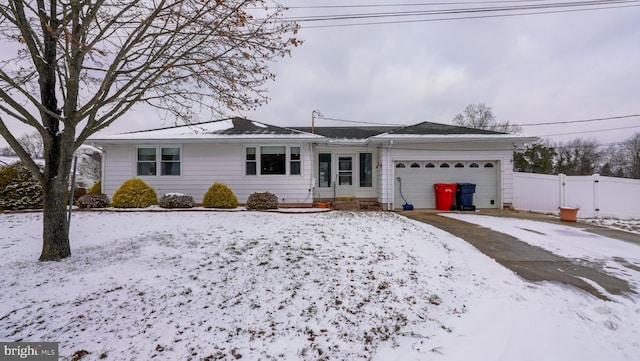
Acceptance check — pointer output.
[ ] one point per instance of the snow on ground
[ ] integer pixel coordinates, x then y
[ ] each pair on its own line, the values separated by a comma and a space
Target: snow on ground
629, 225
618, 258
271, 286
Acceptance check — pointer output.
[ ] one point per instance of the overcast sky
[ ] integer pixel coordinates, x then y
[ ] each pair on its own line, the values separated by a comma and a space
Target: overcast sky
530, 69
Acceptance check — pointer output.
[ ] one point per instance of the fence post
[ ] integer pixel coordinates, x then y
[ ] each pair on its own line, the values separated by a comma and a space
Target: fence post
561, 184
596, 182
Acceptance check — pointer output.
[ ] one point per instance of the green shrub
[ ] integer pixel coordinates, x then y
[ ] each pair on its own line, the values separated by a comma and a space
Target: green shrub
99, 200
96, 188
134, 193
19, 189
176, 200
220, 196
261, 201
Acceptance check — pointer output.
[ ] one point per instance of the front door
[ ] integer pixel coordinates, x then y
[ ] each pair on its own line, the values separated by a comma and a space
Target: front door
344, 184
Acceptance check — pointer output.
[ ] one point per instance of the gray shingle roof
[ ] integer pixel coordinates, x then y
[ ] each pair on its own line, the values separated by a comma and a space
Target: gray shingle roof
424, 128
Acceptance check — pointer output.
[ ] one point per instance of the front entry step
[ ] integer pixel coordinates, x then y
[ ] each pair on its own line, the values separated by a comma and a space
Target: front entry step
346, 205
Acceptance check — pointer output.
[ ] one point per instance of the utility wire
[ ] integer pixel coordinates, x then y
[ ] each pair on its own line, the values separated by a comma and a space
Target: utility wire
579, 121
588, 131
490, 12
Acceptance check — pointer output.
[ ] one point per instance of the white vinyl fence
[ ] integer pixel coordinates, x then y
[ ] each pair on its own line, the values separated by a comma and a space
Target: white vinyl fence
595, 196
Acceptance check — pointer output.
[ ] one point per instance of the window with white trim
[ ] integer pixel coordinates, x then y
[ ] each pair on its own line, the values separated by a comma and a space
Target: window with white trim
366, 170
250, 161
150, 159
295, 161
272, 160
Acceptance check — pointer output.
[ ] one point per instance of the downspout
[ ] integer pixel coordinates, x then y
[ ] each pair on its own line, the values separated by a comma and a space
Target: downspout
311, 179
389, 177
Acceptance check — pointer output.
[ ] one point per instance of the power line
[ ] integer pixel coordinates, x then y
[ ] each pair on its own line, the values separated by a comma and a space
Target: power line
489, 12
588, 131
580, 121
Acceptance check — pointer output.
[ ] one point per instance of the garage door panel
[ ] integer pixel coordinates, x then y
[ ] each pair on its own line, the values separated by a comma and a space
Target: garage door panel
417, 183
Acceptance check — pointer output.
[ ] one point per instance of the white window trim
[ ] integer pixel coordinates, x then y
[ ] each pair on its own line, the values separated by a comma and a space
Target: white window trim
158, 149
259, 157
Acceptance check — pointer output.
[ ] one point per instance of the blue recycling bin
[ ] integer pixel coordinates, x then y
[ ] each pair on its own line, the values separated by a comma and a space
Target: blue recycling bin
464, 196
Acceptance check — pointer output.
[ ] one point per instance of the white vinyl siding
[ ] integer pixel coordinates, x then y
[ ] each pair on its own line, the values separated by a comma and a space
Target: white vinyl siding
204, 164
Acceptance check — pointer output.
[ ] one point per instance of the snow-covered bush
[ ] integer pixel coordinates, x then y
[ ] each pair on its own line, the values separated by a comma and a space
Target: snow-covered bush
96, 188
134, 193
220, 196
263, 200
99, 200
19, 189
176, 200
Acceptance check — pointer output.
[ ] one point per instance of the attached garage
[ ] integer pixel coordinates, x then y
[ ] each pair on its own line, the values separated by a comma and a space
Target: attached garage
416, 179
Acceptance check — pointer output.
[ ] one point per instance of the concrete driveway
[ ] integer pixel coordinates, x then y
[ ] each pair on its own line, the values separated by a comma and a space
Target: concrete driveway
531, 262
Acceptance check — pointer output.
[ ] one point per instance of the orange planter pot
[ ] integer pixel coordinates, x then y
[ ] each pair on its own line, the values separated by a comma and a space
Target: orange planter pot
568, 214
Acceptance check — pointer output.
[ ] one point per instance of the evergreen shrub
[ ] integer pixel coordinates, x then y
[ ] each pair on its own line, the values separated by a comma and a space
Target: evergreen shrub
19, 189
220, 196
176, 200
260, 201
99, 200
96, 188
134, 193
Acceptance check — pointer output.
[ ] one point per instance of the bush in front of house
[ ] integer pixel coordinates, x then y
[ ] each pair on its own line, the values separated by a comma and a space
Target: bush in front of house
260, 201
220, 196
99, 200
134, 193
96, 188
19, 189
176, 200
78, 192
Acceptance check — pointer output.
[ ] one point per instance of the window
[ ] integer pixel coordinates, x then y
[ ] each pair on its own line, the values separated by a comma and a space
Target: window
444, 165
146, 161
150, 159
474, 165
324, 170
366, 170
272, 160
251, 165
459, 165
429, 165
170, 161
294, 160
415, 165
488, 165
400, 165
345, 171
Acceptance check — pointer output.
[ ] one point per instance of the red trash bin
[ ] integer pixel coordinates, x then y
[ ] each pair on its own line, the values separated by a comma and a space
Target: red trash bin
445, 194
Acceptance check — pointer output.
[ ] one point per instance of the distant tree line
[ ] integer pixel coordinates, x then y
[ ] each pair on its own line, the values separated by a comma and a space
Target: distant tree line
575, 157
582, 157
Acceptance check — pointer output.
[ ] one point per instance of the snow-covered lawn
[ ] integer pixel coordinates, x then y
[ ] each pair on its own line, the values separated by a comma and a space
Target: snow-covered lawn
269, 286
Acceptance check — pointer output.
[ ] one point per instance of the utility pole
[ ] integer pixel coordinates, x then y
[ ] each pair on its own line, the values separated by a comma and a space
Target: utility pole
313, 119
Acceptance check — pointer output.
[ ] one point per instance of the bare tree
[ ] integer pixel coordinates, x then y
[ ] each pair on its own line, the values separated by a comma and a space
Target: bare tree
631, 150
614, 163
480, 116
578, 157
90, 165
32, 143
81, 65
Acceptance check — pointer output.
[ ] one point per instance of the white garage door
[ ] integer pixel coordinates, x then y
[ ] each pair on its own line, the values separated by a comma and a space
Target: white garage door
418, 178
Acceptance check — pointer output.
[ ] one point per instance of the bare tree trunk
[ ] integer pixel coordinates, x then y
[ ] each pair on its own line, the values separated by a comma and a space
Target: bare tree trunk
55, 236
55, 232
